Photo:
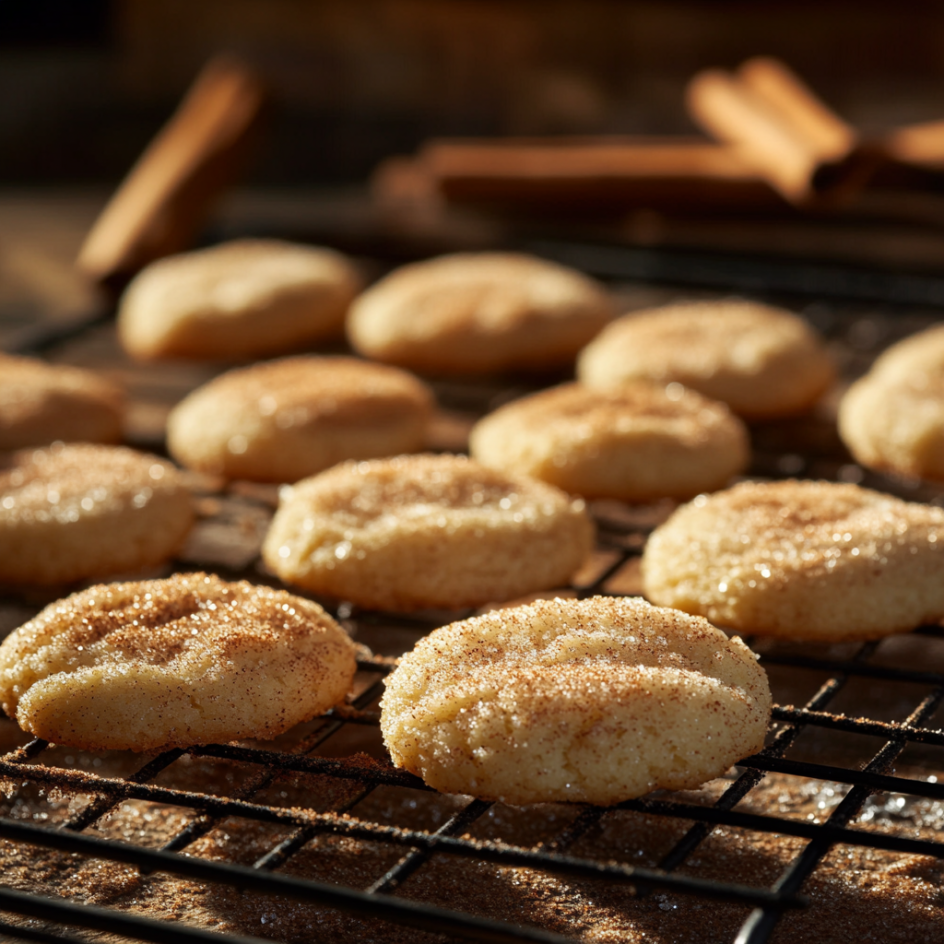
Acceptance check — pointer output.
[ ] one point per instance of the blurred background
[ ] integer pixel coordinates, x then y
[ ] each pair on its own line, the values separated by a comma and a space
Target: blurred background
87, 84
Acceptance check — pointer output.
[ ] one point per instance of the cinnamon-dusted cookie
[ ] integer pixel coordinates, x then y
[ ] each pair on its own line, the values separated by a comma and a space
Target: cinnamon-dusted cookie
73, 512
283, 420
763, 362
426, 531
802, 560
170, 663
595, 701
895, 423
241, 299
920, 353
476, 313
892, 419
41, 403
637, 442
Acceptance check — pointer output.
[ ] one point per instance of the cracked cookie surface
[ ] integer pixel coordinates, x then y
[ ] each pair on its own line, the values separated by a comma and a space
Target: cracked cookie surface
150, 665
801, 560
423, 531
595, 701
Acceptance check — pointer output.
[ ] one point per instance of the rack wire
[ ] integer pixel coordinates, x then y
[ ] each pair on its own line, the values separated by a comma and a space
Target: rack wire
64, 809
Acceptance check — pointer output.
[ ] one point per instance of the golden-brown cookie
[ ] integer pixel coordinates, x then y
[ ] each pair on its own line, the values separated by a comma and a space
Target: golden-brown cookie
41, 403
73, 512
283, 420
245, 298
426, 531
763, 362
802, 560
895, 423
637, 442
170, 663
920, 353
892, 419
594, 701
478, 313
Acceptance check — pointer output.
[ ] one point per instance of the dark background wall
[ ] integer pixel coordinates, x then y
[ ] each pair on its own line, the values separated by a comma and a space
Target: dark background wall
85, 83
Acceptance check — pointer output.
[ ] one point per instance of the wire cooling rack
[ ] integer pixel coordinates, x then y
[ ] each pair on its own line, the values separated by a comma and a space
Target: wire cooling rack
316, 836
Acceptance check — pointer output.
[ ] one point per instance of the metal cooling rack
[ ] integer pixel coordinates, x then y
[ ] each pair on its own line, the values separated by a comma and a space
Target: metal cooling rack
622, 535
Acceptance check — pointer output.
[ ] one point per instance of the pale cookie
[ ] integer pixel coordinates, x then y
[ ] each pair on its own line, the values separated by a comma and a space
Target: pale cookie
638, 442
763, 362
893, 418
803, 560
426, 531
41, 403
595, 701
281, 421
895, 423
241, 299
478, 313
921, 353
158, 664
80, 511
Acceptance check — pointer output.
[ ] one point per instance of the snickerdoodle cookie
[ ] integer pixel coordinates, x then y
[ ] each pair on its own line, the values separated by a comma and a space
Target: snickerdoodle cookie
41, 403
595, 701
763, 362
892, 419
283, 420
244, 298
72, 512
636, 442
804, 560
478, 313
896, 423
920, 353
171, 663
426, 531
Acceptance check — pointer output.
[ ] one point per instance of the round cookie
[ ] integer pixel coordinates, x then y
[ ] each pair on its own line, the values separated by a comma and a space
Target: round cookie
478, 313
241, 299
284, 420
920, 353
157, 664
802, 560
426, 531
72, 512
595, 701
41, 403
763, 362
638, 442
895, 423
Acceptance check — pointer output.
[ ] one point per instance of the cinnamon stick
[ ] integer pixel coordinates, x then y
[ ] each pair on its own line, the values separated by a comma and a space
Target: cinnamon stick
595, 173
920, 144
160, 206
781, 129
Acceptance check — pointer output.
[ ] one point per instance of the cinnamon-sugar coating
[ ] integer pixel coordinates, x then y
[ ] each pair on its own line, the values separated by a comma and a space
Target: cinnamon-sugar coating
240, 299
475, 313
637, 442
283, 420
595, 701
803, 560
41, 403
73, 512
426, 531
763, 362
171, 663
894, 421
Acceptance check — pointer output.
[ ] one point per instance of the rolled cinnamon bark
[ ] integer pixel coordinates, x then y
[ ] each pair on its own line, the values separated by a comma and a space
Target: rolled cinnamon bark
162, 203
592, 173
921, 144
783, 131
